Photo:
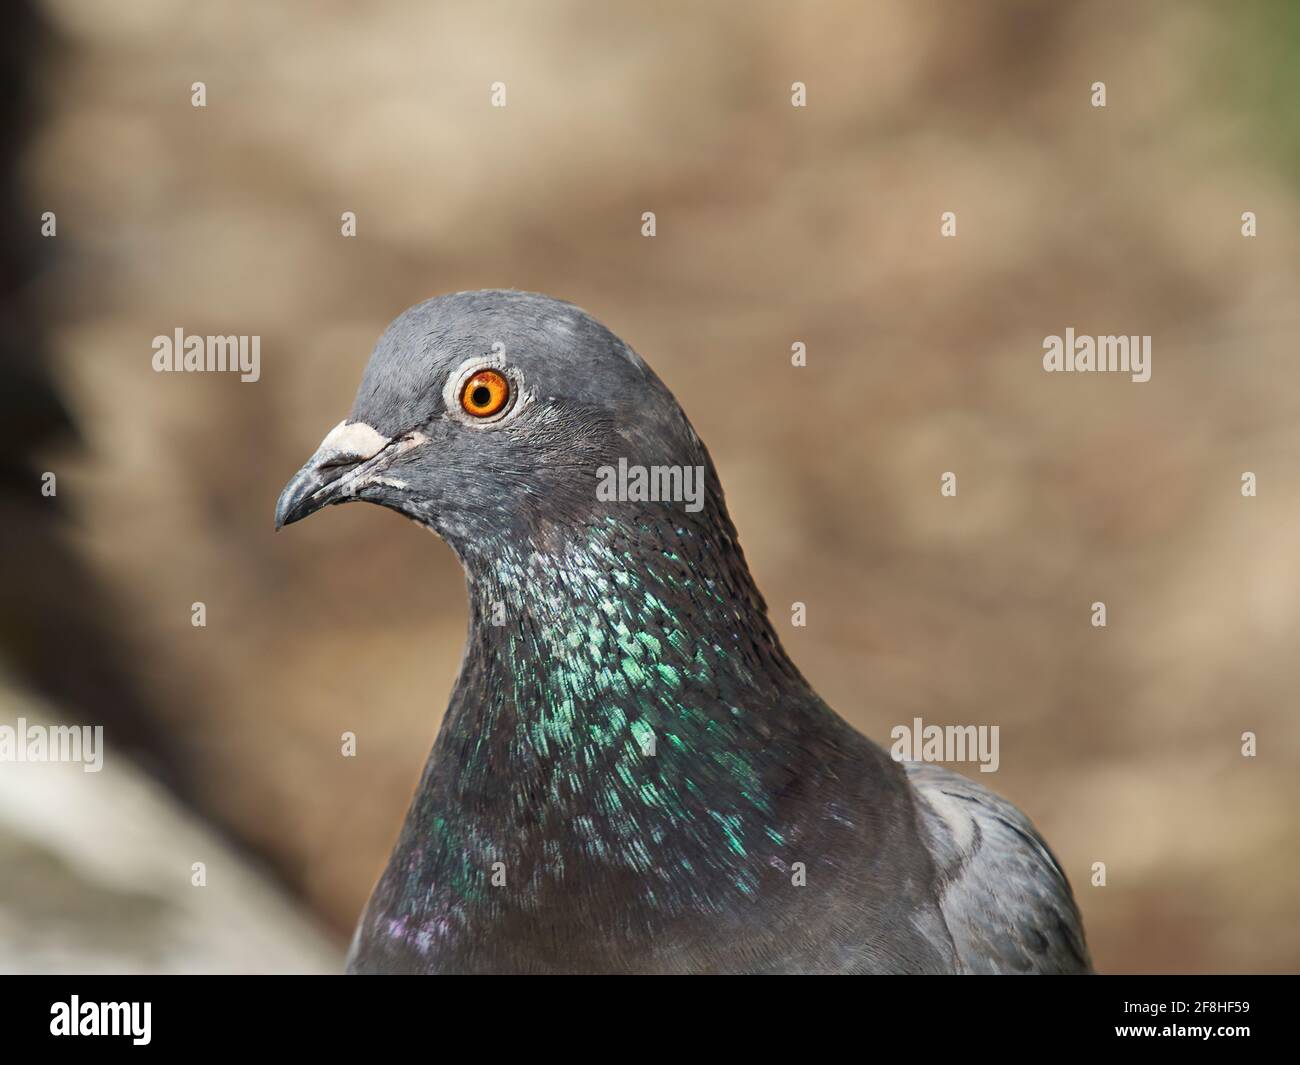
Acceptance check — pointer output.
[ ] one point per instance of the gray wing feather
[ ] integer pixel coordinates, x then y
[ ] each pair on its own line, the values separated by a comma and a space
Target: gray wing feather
1006, 901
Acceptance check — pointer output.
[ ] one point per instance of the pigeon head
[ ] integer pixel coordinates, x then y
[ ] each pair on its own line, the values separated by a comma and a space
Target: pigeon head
496, 415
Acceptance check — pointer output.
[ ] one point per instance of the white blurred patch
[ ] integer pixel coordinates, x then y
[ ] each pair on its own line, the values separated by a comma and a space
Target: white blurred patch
98, 878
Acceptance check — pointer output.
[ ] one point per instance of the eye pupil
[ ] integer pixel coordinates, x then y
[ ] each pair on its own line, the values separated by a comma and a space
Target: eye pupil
481, 396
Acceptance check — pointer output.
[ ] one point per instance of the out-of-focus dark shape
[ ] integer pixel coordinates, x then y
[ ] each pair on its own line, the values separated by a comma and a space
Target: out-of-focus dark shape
61, 628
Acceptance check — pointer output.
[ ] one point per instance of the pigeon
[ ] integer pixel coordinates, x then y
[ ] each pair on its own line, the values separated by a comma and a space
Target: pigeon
632, 776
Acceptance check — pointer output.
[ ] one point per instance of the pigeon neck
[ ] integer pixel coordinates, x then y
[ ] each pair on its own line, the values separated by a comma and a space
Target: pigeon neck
641, 642
625, 719
628, 597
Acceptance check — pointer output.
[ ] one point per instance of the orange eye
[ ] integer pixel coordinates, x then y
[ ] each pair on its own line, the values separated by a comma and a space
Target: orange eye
485, 393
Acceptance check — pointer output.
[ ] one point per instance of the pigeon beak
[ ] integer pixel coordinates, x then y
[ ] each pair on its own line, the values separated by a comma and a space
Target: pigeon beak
333, 474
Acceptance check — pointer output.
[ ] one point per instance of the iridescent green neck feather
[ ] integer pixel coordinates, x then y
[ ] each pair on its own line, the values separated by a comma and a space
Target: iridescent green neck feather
625, 716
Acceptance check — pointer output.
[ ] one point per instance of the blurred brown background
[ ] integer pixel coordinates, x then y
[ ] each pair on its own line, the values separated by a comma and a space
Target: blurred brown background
775, 224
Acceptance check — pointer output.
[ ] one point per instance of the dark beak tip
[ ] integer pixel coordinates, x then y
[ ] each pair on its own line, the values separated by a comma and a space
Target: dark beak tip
282, 517
296, 501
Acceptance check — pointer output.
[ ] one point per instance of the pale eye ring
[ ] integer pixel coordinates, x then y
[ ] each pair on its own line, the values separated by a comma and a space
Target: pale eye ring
483, 392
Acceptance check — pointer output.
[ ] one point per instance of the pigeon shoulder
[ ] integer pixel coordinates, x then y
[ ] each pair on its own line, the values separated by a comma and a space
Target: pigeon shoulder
1005, 899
